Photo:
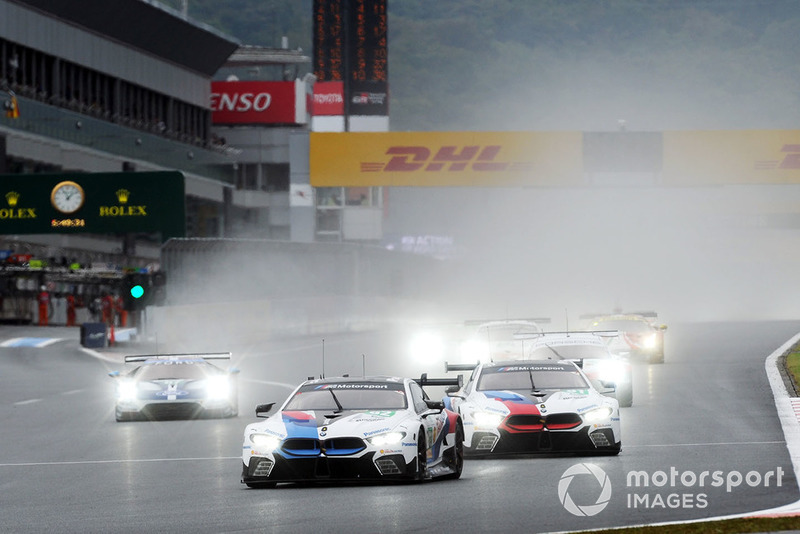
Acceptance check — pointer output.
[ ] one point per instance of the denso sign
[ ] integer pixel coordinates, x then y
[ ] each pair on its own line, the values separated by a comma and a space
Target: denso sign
256, 103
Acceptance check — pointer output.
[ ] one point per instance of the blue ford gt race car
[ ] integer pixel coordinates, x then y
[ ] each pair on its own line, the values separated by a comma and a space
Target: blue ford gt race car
176, 386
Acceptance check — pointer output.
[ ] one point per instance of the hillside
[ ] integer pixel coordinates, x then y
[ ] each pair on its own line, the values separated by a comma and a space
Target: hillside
566, 65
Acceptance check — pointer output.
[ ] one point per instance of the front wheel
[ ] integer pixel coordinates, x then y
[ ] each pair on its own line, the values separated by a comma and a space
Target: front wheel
422, 457
658, 357
625, 396
456, 454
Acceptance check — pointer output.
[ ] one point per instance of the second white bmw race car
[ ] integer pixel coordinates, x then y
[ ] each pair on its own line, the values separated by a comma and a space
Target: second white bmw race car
590, 351
534, 406
373, 428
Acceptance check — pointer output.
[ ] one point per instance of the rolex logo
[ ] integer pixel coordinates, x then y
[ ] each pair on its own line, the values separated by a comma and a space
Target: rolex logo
122, 195
12, 197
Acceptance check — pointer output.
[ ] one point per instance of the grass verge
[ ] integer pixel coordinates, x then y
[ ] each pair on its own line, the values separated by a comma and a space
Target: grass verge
793, 365
727, 526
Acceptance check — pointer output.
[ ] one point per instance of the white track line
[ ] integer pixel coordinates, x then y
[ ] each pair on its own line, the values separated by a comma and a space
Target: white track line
29, 401
144, 460
100, 356
721, 443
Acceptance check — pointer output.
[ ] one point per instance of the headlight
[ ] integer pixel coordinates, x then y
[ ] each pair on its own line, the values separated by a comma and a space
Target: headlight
390, 438
649, 342
217, 387
427, 346
484, 419
613, 371
598, 414
126, 390
265, 442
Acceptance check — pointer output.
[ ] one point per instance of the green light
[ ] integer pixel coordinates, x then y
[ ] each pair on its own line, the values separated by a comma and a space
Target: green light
137, 291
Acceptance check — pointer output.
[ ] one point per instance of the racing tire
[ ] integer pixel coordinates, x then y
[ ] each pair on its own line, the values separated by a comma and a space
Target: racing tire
625, 397
657, 357
456, 454
124, 417
422, 457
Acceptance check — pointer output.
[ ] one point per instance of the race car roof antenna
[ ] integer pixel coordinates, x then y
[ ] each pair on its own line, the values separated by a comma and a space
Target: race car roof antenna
323, 358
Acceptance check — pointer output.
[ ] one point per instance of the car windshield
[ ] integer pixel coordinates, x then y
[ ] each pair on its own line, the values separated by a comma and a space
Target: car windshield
530, 377
370, 396
568, 352
623, 325
175, 370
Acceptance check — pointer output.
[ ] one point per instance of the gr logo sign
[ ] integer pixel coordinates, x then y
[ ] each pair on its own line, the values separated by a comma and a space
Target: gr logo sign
602, 489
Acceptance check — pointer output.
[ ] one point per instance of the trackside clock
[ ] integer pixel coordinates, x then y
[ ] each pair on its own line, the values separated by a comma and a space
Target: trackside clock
67, 197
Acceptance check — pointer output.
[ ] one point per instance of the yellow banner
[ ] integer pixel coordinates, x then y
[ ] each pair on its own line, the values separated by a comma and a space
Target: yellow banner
731, 157
439, 159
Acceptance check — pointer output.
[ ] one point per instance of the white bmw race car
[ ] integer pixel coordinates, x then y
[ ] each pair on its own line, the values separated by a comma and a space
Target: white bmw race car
368, 428
176, 386
590, 350
534, 406
500, 339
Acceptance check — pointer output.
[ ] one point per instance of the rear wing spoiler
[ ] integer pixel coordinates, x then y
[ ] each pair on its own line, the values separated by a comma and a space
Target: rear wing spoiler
539, 320
649, 314
425, 381
598, 333
460, 366
178, 356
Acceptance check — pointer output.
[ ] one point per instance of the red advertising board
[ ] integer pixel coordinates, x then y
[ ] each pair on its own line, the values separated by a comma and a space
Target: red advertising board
254, 102
328, 99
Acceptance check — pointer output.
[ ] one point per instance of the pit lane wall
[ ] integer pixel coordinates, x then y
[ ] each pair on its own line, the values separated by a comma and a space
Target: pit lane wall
226, 324
229, 289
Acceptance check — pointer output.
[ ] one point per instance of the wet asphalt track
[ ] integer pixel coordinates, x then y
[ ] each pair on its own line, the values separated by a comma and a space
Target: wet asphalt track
67, 466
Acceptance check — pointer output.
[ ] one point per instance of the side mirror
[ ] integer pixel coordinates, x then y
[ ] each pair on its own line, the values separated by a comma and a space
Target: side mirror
263, 409
434, 405
451, 389
607, 389
609, 392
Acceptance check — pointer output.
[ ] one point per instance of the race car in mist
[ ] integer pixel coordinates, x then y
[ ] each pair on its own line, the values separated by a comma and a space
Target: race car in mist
520, 407
641, 337
499, 340
590, 351
354, 429
176, 386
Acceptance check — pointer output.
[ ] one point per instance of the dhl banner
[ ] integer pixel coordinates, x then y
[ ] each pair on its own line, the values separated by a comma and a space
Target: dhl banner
441, 159
731, 157
553, 159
